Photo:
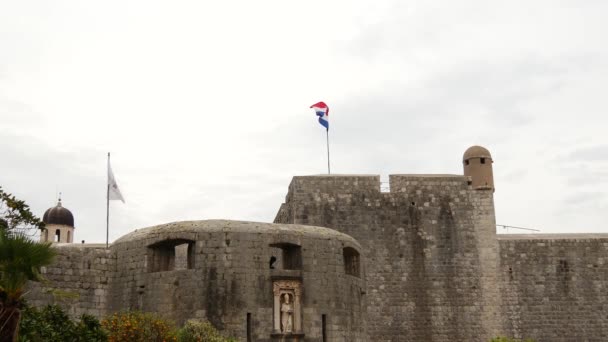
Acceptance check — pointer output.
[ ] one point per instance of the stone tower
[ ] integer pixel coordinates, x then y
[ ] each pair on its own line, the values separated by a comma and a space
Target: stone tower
477, 163
59, 223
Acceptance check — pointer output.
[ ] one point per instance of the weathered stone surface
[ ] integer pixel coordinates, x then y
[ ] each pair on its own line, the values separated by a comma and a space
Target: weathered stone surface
228, 277
78, 280
431, 268
430, 250
434, 268
554, 287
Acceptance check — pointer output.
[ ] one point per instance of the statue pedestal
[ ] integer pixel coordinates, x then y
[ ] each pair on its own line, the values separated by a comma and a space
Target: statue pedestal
289, 337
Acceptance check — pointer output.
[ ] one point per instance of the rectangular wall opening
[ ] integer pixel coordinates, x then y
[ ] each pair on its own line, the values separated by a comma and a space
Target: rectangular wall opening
171, 255
285, 256
324, 327
249, 335
351, 261
292, 258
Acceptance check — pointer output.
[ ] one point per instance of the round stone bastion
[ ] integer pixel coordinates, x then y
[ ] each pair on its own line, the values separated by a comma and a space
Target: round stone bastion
254, 281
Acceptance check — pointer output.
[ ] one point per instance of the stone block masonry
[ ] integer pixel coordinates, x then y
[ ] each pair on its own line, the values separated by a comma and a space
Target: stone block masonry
419, 263
430, 250
437, 271
78, 280
555, 287
221, 271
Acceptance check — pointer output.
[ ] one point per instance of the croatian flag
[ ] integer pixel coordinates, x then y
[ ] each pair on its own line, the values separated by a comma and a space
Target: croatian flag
322, 112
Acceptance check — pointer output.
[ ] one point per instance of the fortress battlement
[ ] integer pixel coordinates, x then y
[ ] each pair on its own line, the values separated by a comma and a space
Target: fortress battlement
345, 184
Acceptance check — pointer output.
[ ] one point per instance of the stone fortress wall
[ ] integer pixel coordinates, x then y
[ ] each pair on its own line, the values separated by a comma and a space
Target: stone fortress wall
429, 267
224, 277
437, 271
77, 280
430, 250
555, 287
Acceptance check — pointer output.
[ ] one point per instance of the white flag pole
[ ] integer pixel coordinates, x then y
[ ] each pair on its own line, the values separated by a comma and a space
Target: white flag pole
108, 204
328, 168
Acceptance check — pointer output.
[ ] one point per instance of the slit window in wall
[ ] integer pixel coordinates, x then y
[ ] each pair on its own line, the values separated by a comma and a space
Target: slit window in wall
69, 237
46, 235
57, 235
351, 261
324, 327
168, 255
466, 162
249, 335
290, 256
482, 160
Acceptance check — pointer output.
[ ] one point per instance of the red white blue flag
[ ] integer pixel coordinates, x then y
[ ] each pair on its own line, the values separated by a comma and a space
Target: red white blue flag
322, 112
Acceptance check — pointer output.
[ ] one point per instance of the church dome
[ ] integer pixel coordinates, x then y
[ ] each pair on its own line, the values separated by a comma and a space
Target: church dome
476, 152
58, 215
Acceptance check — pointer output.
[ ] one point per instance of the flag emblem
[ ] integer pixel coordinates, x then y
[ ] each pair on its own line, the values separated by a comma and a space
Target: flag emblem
113, 190
322, 111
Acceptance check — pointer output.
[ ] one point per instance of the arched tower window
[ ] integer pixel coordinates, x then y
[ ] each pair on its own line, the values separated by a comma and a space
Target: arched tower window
69, 240
57, 235
351, 261
46, 235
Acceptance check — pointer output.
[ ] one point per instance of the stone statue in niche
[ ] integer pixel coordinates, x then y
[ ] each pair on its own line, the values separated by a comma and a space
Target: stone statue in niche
287, 308
286, 314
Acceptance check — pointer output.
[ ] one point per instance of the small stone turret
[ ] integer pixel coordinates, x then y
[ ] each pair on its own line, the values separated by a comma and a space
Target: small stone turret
477, 162
59, 225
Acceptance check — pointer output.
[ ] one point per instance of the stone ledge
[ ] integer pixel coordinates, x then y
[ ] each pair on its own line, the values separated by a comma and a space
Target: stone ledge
285, 274
296, 336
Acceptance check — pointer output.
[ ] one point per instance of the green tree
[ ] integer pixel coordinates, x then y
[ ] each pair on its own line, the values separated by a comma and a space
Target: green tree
16, 216
20, 261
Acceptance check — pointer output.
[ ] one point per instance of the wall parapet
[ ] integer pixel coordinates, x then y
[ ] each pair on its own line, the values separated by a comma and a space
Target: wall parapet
370, 183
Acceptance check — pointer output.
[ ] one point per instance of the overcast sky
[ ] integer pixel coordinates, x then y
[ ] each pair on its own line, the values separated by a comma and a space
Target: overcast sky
204, 104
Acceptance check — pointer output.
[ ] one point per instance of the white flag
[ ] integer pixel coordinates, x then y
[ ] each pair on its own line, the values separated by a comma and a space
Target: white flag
113, 190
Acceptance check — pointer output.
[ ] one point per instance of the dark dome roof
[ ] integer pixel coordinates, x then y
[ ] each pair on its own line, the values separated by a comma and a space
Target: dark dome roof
58, 215
476, 152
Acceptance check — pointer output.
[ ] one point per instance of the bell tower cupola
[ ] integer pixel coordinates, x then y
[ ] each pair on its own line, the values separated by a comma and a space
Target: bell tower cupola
59, 224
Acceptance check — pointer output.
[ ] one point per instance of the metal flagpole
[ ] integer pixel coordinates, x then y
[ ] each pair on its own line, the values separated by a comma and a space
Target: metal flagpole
108, 204
328, 168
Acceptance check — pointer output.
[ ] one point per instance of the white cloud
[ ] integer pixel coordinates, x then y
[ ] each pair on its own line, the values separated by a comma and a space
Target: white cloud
204, 105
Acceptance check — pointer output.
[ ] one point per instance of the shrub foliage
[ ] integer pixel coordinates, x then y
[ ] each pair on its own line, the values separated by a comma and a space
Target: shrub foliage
136, 326
52, 324
201, 331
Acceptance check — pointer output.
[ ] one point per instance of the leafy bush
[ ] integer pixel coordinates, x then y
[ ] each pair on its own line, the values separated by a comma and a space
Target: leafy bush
52, 324
200, 331
89, 329
136, 326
